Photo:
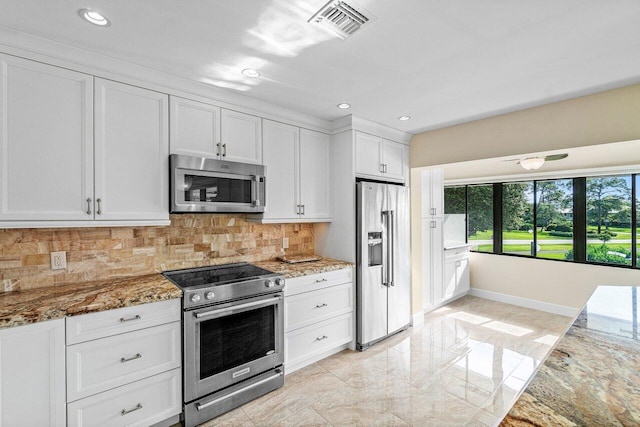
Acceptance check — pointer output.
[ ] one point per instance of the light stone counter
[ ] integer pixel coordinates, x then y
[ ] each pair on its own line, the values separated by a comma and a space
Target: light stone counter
592, 377
40, 304
304, 268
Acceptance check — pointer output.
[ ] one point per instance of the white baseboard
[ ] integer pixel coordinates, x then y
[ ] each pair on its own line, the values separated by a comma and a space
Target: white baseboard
417, 319
525, 302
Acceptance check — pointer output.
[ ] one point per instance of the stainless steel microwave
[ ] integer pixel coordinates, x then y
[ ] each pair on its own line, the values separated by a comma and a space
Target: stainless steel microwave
199, 184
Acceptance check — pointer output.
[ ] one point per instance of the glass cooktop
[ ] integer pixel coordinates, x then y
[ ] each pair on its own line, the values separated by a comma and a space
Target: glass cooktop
216, 275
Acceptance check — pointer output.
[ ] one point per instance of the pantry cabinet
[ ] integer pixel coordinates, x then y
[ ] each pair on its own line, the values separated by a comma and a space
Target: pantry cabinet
71, 160
32, 375
432, 193
379, 158
432, 263
298, 169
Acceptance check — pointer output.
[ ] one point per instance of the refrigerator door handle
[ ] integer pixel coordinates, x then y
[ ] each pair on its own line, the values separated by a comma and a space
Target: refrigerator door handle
391, 245
385, 248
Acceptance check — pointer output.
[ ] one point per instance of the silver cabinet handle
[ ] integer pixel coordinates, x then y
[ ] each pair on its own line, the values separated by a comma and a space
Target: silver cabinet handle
224, 150
129, 359
381, 167
324, 337
321, 280
302, 206
88, 206
297, 209
321, 305
129, 319
432, 224
385, 168
128, 411
433, 211
218, 152
99, 211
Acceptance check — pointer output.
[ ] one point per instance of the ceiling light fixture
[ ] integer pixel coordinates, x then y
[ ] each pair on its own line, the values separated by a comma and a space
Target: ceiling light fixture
404, 118
343, 106
250, 72
96, 18
532, 163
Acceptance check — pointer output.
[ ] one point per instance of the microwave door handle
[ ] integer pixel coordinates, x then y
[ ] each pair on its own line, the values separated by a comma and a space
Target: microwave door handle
255, 200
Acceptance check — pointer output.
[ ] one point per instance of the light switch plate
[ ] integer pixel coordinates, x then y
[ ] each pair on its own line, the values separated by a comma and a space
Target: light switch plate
58, 260
285, 242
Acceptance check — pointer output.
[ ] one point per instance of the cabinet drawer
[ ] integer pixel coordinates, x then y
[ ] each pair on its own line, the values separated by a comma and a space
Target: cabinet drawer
317, 338
313, 282
99, 365
112, 322
311, 307
141, 404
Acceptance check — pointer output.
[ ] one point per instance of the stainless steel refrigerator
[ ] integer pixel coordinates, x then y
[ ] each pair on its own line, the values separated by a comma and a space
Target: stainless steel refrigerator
383, 287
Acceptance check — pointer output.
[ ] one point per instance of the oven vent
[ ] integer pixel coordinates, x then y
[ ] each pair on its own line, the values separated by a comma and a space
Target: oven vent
341, 18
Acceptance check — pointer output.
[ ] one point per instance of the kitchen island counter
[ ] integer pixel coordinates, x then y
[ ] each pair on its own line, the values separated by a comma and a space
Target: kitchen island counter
41, 304
591, 378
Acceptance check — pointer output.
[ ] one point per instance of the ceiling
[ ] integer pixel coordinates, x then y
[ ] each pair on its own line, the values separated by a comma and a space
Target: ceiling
615, 157
440, 62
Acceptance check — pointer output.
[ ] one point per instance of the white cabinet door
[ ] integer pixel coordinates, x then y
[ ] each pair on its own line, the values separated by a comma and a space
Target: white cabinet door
393, 160
194, 127
32, 375
281, 162
432, 263
462, 276
432, 193
315, 174
46, 141
449, 282
368, 154
241, 137
131, 152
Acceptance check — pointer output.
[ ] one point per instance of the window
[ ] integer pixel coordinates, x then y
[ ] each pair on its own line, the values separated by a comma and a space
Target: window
637, 185
480, 217
517, 218
554, 219
455, 200
609, 219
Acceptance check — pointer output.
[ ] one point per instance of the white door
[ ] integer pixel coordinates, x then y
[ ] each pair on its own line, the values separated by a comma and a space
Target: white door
315, 174
368, 154
281, 161
131, 152
241, 137
393, 159
46, 142
32, 375
194, 127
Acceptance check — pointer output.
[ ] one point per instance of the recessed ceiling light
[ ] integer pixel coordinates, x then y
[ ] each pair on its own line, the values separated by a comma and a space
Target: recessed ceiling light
343, 106
404, 118
250, 72
94, 17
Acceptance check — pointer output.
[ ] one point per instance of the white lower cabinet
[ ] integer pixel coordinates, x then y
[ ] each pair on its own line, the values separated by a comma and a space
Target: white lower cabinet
456, 272
318, 317
32, 380
123, 368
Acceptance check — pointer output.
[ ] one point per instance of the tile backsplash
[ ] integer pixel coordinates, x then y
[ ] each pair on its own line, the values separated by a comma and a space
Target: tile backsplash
109, 252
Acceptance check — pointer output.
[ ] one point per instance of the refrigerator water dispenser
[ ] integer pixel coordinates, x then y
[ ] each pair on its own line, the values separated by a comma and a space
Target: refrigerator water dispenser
374, 242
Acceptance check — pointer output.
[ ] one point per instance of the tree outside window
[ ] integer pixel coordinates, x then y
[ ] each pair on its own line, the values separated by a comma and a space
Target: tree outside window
480, 217
554, 219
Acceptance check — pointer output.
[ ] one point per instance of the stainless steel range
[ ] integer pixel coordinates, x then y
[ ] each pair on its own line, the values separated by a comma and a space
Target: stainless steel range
233, 337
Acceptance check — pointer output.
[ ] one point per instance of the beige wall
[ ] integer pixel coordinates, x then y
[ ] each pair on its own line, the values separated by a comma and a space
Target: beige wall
611, 116
606, 117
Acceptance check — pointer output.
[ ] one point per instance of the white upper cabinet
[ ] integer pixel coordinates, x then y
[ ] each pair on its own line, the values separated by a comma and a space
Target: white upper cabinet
204, 130
131, 152
432, 193
195, 128
315, 174
56, 171
380, 158
298, 167
241, 137
46, 142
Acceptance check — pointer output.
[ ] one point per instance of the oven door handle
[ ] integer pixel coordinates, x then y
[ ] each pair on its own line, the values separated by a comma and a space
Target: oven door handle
201, 406
237, 307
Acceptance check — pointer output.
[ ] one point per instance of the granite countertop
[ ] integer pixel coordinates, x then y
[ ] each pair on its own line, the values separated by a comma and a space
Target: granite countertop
592, 377
304, 268
37, 305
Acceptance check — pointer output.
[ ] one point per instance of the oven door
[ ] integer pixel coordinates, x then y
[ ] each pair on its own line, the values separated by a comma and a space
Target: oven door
231, 342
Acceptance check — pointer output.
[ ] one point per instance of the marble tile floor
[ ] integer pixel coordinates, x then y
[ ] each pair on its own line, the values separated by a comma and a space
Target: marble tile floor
465, 366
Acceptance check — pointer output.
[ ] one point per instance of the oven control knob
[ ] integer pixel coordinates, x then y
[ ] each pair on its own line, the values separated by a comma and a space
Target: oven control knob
209, 295
195, 298
280, 281
269, 283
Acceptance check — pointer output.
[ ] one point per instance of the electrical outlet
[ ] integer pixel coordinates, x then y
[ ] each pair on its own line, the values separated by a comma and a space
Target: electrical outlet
285, 242
58, 260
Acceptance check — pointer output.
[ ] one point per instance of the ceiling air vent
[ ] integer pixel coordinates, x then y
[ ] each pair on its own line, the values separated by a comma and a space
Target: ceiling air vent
341, 18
